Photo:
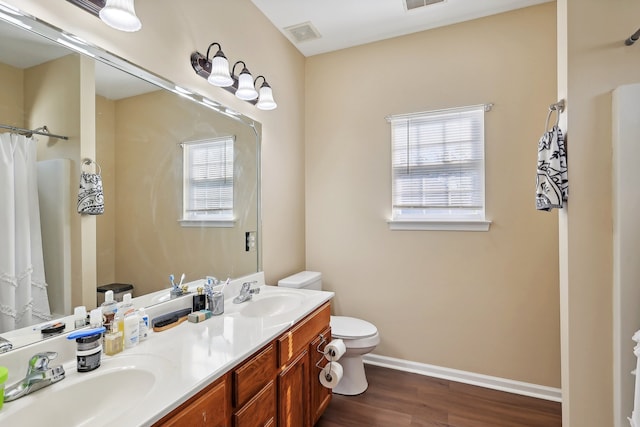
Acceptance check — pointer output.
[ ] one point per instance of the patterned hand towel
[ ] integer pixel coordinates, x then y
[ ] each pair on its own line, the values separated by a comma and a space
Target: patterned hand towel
552, 184
90, 195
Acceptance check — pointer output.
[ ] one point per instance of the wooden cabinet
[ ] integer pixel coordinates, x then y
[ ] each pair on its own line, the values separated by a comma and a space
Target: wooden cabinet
210, 408
301, 402
277, 386
292, 393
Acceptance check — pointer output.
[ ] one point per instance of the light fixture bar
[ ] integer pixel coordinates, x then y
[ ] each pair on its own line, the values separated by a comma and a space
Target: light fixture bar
243, 86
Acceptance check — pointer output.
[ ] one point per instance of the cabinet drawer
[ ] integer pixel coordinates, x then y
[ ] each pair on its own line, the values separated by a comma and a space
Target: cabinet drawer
252, 376
298, 338
259, 411
210, 408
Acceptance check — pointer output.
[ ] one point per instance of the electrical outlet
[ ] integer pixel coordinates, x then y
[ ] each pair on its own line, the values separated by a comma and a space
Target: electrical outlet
250, 241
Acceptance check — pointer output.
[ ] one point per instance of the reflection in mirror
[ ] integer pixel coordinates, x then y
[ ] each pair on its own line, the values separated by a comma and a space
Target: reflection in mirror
135, 130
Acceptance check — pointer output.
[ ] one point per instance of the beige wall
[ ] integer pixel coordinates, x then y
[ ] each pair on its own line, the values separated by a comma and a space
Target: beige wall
106, 224
480, 302
11, 96
596, 62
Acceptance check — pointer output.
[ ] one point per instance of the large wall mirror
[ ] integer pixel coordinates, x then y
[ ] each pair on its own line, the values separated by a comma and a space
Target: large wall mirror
134, 125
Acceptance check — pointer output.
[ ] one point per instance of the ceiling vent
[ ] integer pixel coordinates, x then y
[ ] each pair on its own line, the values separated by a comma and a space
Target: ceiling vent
415, 4
303, 32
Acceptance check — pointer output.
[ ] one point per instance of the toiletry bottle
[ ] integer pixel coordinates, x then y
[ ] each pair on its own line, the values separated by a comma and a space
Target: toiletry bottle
144, 324
199, 300
113, 341
124, 309
108, 307
80, 316
118, 323
131, 329
126, 306
95, 318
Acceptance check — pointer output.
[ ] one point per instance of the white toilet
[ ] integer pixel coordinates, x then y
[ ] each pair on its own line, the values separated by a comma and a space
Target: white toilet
360, 337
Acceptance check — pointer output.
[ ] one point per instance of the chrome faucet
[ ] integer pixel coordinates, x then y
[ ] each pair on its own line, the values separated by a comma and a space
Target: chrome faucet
5, 345
246, 293
39, 375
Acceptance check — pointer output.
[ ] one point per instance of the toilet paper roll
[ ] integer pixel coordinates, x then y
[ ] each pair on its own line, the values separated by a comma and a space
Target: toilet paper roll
331, 375
334, 350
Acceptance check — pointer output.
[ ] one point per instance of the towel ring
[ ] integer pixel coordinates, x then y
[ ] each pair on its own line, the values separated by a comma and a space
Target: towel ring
89, 162
558, 107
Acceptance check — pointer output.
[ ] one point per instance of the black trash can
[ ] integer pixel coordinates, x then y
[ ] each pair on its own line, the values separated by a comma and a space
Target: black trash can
119, 289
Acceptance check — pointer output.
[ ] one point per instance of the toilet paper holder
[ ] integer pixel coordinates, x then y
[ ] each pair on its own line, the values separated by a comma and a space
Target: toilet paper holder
323, 343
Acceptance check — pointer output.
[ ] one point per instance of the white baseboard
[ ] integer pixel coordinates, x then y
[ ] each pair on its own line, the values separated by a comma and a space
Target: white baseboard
495, 383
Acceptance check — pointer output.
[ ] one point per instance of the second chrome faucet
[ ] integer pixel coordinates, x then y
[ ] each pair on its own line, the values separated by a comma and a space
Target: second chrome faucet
246, 293
39, 375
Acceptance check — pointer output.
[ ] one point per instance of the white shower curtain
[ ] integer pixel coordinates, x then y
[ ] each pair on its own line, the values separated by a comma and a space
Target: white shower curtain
23, 291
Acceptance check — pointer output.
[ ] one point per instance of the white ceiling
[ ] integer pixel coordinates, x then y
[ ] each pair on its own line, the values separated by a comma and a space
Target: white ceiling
347, 23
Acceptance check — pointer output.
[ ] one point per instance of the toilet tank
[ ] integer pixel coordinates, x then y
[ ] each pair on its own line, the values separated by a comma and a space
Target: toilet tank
303, 280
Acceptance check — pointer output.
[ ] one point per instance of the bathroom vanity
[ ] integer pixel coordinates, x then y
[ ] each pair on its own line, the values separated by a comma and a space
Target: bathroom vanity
255, 365
278, 385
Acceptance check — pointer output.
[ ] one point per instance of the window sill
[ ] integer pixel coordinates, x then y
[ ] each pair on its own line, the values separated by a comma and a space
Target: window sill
214, 223
440, 225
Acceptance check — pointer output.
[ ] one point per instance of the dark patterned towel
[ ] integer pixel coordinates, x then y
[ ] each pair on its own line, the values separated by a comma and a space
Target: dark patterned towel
90, 196
552, 184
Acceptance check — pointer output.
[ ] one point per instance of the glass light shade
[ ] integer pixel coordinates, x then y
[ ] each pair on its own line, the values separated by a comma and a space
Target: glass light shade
121, 15
266, 101
246, 91
220, 72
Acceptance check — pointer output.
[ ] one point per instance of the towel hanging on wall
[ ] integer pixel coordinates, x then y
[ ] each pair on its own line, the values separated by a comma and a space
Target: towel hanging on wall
90, 195
552, 184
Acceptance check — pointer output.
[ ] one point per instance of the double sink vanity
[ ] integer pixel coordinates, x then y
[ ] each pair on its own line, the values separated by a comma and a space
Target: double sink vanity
255, 365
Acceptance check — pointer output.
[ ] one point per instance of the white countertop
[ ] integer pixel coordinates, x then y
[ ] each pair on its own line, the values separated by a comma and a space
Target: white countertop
185, 359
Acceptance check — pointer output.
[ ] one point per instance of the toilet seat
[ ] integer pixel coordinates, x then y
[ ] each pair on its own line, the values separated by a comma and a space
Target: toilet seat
350, 328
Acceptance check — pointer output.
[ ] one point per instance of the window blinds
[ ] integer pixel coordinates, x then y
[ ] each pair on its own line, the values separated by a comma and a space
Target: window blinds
208, 190
438, 164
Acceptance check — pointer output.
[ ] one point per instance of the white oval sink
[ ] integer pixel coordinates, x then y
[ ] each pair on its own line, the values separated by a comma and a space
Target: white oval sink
271, 305
93, 398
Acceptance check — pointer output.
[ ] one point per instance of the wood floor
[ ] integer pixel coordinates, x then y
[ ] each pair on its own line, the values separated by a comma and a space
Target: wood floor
397, 399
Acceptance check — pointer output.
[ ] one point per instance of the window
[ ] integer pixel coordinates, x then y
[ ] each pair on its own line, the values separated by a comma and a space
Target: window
208, 182
438, 170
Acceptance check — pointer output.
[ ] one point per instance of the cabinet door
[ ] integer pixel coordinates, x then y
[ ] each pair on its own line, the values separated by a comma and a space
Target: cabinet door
293, 393
210, 409
320, 396
260, 411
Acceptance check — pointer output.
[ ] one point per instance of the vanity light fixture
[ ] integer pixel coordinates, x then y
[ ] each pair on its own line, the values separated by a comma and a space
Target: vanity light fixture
265, 99
121, 15
243, 86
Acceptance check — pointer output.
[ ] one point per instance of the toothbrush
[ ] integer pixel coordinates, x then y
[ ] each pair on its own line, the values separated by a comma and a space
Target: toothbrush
171, 279
224, 285
181, 280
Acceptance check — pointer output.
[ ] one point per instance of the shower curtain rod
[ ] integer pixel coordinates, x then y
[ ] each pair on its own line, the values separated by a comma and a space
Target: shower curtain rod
40, 131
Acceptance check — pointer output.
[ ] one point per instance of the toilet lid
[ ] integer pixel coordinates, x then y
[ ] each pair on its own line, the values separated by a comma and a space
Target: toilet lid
350, 327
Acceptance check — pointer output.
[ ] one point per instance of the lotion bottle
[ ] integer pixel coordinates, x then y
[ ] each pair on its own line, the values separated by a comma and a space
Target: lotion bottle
131, 329
144, 324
